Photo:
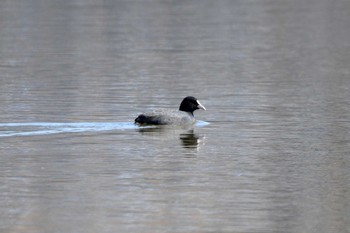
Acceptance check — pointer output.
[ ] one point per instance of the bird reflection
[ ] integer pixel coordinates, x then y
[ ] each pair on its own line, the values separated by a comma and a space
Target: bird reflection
188, 138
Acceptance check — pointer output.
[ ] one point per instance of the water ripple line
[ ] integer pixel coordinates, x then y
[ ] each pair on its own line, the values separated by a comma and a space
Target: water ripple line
45, 128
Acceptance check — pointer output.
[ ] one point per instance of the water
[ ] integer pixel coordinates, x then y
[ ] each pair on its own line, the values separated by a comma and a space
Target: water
273, 75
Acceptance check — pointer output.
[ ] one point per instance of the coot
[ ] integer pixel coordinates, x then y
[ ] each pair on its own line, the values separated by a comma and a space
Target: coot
172, 117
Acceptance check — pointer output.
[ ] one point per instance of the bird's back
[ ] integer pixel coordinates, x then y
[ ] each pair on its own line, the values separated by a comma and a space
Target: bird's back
165, 117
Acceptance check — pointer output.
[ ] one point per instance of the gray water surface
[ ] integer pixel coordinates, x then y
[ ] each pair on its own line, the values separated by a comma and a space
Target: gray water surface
273, 75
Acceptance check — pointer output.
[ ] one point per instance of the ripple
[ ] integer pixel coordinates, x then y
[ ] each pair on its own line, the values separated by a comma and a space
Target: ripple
45, 128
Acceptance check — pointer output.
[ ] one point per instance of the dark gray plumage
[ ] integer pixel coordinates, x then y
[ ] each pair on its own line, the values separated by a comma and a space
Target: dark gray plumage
172, 117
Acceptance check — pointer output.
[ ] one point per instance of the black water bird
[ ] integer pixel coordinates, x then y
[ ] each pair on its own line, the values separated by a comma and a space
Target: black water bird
172, 117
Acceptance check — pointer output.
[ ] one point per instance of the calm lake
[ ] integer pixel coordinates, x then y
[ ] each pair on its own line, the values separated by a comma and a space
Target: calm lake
270, 154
